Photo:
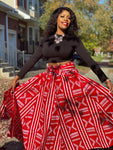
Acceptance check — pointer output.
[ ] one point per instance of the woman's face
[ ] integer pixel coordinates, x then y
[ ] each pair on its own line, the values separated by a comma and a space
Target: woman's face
63, 21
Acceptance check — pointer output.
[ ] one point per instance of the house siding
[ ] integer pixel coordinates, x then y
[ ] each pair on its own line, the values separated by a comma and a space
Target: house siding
3, 21
13, 24
9, 2
2, 18
25, 4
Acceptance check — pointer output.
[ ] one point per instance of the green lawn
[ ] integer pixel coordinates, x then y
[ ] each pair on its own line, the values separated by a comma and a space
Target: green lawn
98, 58
111, 61
85, 69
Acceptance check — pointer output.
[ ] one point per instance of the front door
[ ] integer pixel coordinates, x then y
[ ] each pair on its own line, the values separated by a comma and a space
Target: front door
12, 49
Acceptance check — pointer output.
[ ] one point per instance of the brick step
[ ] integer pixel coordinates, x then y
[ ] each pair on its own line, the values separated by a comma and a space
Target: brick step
4, 64
1, 60
9, 74
8, 69
12, 74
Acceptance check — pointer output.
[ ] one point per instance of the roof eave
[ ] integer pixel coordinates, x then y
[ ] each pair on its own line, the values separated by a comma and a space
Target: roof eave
6, 7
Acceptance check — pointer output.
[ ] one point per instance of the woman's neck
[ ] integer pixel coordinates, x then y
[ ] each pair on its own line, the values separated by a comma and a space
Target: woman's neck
60, 32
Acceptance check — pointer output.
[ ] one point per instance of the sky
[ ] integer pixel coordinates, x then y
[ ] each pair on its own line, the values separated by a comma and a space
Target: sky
101, 1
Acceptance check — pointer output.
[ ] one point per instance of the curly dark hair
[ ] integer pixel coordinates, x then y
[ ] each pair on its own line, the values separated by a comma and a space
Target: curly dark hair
52, 23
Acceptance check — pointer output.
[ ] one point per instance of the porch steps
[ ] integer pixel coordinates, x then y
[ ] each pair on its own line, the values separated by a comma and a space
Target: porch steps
1, 60
4, 64
7, 71
12, 74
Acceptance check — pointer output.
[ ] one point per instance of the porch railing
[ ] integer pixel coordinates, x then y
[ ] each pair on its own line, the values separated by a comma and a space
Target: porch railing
11, 55
20, 58
28, 46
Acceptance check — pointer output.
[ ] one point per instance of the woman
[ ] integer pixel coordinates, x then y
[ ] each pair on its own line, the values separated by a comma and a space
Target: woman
61, 109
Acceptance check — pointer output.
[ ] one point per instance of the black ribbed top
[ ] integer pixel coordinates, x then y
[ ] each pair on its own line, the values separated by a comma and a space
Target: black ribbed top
63, 51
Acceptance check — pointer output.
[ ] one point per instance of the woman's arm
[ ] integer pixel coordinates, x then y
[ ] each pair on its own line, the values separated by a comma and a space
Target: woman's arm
85, 56
27, 66
31, 62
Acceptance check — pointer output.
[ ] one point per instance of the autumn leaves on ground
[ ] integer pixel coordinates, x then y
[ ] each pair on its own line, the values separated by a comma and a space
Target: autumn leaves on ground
4, 86
4, 125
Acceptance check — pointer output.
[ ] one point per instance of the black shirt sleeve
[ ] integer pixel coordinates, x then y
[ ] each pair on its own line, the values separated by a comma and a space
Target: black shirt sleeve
85, 56
31, 62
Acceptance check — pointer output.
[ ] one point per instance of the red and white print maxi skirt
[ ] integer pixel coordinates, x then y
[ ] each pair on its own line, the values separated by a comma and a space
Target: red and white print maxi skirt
60, 110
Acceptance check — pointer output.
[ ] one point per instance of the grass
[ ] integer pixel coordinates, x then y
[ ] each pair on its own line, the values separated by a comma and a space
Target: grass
111, 61
98, 58
85, 69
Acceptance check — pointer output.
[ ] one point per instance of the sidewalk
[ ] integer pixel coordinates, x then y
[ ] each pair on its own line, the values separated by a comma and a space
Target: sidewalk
108, 70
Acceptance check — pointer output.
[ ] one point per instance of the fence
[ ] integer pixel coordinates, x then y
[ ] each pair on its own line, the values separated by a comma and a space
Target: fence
28, 46
20, 58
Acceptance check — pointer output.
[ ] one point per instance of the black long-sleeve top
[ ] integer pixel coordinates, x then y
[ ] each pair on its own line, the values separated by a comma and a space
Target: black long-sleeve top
63, 51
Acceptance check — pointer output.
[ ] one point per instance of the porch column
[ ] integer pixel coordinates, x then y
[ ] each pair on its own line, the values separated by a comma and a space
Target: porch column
7, 38
38, 5
14, 3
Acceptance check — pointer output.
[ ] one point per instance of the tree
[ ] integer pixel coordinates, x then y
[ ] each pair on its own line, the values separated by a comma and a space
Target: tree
94, 19
49, 7
103, 24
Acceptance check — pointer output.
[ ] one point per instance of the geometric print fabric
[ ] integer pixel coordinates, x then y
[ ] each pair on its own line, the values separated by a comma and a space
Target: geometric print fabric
60, 110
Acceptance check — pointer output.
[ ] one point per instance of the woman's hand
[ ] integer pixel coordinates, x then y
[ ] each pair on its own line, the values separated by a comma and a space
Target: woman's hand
14, 82
109, 85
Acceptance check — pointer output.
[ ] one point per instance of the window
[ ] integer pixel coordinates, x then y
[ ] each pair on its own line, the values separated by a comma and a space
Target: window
36, 36
22, 37
30, 35
30, 4
36, 5
41, 8
21, 3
